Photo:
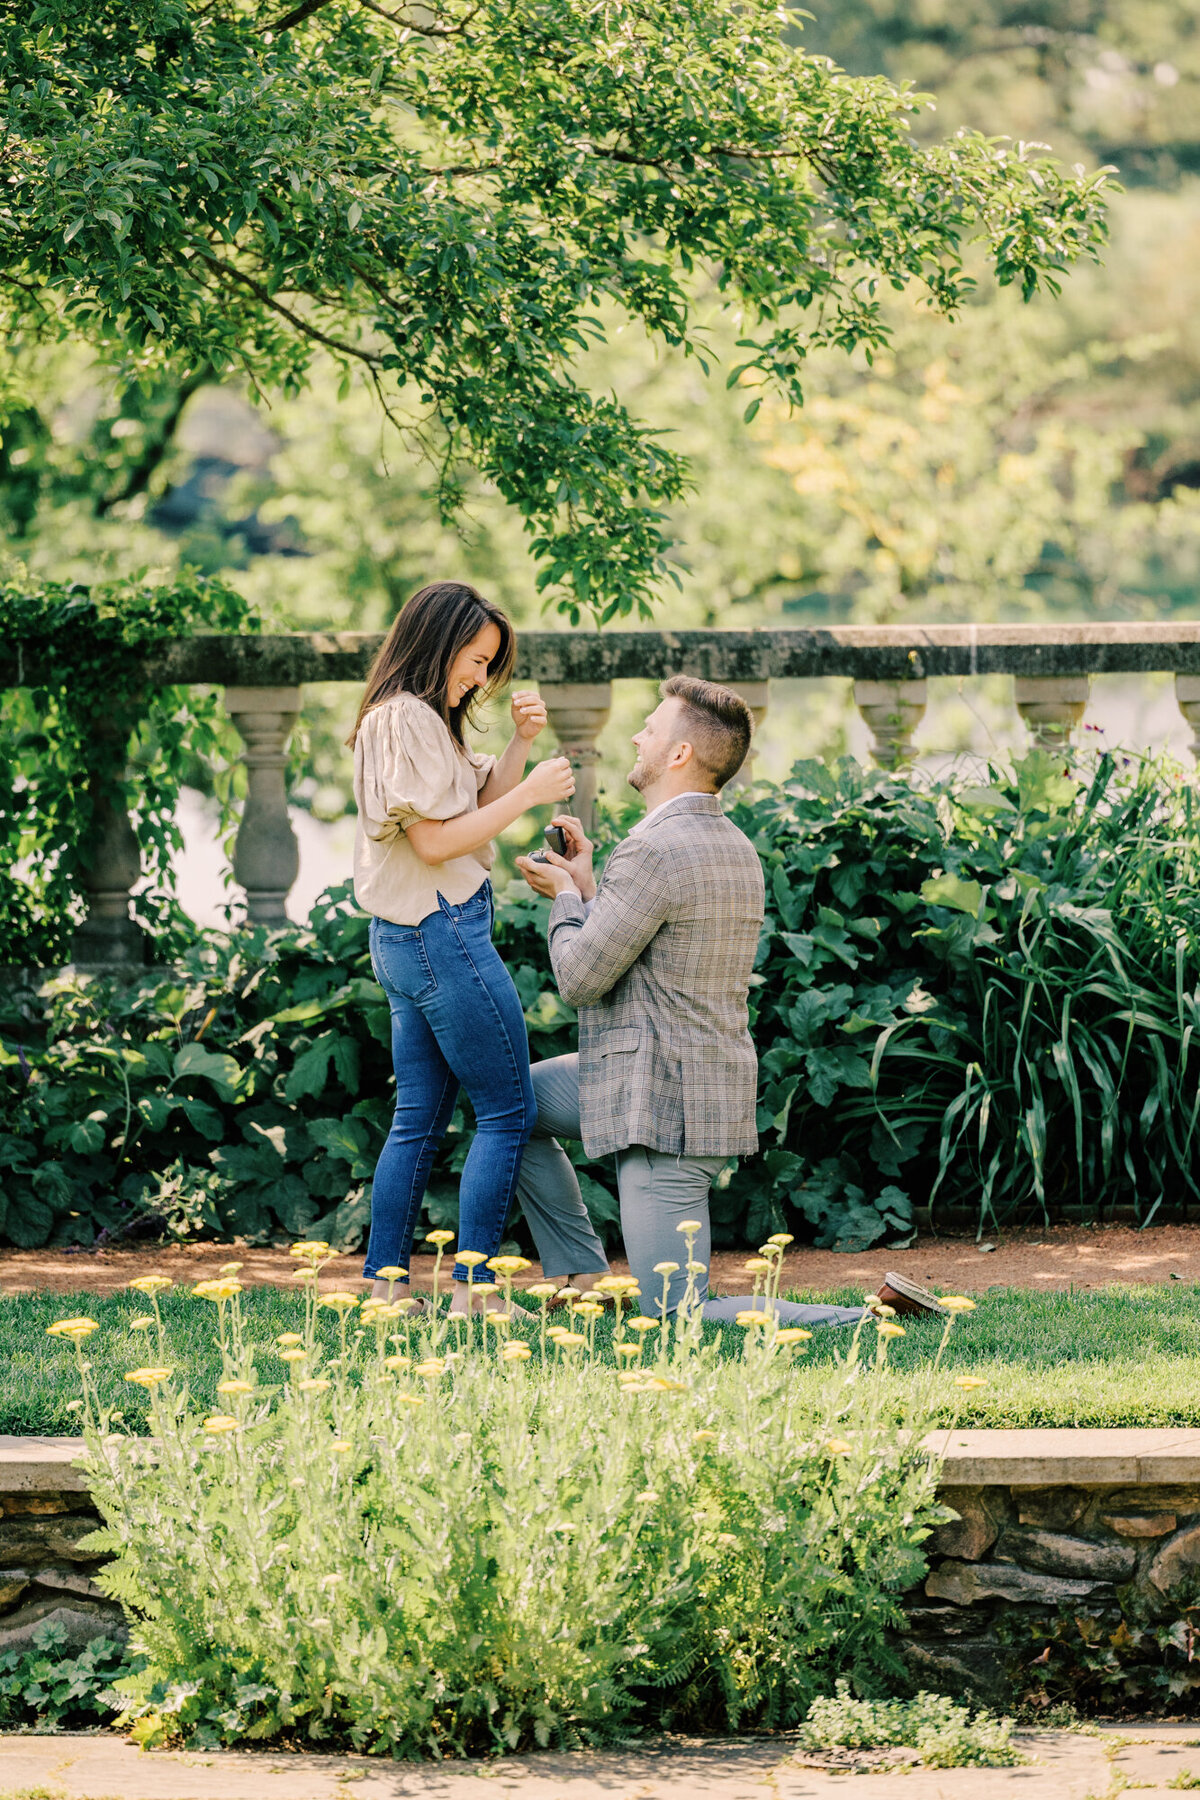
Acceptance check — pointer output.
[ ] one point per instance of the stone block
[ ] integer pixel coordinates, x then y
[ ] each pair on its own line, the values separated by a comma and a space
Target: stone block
978, 1667
1051, 1508
30, 1540
1140, 1525
82, 1620
980, 1515
1054, 1553
966, 1584
1151, 1497
1176, 1563
43, 1505
13, 1583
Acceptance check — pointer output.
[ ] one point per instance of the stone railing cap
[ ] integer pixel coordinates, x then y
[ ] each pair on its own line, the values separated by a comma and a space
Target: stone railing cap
1065, 1457
30, 1465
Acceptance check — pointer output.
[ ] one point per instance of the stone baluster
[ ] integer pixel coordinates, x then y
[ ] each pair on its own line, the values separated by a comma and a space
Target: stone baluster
108, 937
1052, 706
578, 713
757, 695
1187, 693
266, 856
892, 711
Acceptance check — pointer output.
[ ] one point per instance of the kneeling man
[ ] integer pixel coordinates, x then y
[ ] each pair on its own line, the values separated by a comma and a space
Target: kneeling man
657, 960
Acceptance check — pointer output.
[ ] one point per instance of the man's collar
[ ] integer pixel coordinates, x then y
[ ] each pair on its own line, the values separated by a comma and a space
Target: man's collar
696, 801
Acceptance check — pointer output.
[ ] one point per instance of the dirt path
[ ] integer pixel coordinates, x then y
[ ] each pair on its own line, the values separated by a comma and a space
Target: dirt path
1063, 1257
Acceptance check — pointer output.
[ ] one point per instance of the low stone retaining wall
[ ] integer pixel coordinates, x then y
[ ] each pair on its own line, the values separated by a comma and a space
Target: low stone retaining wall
1101, 1526
45, 1512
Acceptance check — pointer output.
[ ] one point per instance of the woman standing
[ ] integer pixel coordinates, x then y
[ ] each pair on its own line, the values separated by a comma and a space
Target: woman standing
428, 808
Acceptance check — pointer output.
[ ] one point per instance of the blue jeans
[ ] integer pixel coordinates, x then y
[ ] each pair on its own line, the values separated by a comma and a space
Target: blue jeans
456, 1022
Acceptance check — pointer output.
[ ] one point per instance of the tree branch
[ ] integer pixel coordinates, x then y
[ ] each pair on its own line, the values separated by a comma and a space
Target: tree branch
337, 345
298, 14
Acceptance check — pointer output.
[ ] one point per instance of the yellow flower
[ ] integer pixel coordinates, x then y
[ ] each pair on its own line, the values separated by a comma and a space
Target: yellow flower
310, 1249
642, 1323
516, 1353
143, 1322
794, 1334
569, 1340
695, 1268
339, 1302
666, 1384
396, 1363
758, 1265
434, 1366
152, 1284
545, 1290
411, 1399
956, 1303
727, 1538
968, 1382
616, 1284
217, 1291
782, 1238
235, 1387
752, 1317
509, 1265
230, 1268
666, 1268
341, 1446
838, 1447
439, 1237
148, 1378
393, 1272
690, 1225
294, 1355
221, 1422
75, 1329
700, 1437
589, 1309
647, 1496
288, 1339
471, 1259
304, 1275
888, 1330
314, 1385
485, 1287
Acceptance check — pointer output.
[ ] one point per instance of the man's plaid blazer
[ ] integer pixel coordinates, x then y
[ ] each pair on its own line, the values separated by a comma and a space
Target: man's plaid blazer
660, 970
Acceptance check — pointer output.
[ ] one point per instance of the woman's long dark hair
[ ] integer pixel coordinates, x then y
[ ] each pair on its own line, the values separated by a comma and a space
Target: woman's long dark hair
417, 654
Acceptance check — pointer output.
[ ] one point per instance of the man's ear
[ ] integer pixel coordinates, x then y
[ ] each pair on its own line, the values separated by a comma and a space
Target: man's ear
681, 755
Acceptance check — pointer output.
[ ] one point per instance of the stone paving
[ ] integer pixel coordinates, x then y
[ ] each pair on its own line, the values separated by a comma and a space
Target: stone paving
1065, 1766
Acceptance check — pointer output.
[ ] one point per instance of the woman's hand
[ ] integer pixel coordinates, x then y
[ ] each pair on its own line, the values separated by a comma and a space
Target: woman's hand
528, 714
549, 782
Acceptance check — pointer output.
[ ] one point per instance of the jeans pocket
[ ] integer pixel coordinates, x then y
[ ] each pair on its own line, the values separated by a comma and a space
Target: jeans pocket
401, 963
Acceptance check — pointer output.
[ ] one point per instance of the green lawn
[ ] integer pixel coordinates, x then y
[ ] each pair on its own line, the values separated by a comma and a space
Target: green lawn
1119, 1356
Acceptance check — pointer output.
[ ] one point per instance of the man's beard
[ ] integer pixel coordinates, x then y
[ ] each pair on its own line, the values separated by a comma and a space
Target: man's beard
644, 775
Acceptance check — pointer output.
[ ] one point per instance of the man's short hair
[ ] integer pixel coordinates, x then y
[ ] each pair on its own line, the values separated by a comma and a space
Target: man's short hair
718, 723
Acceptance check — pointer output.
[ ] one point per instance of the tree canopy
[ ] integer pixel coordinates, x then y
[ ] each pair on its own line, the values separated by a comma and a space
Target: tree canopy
456, 200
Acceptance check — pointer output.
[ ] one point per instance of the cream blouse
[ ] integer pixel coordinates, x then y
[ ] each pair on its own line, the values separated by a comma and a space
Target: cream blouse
408, 767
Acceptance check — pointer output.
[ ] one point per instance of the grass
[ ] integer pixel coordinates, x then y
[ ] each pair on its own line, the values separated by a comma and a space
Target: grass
1111, 1356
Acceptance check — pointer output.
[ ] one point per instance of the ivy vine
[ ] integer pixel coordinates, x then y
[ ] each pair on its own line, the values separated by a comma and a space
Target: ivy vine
83, 727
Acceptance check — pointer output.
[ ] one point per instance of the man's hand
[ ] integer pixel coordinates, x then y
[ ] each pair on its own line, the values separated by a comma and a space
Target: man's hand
578, 859
528, 714
549, 878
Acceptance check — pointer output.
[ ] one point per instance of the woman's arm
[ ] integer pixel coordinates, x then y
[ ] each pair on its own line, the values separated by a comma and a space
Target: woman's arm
529, 717
441, 840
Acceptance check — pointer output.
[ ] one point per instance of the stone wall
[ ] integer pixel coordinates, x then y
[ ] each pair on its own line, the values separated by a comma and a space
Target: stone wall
44, 1574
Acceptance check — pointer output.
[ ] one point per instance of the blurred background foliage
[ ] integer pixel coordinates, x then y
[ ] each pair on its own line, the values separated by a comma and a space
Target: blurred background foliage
1026, 462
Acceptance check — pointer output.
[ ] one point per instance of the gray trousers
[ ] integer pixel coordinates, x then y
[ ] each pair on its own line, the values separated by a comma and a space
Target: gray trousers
658, 1191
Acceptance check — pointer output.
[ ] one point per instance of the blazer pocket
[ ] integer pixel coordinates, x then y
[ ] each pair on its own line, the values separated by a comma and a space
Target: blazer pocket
627, 1037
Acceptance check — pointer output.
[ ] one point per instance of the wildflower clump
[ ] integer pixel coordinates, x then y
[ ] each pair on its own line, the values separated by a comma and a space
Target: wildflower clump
409, 1531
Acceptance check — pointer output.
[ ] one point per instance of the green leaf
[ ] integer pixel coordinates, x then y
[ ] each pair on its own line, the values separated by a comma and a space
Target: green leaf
195, 1062
954, 892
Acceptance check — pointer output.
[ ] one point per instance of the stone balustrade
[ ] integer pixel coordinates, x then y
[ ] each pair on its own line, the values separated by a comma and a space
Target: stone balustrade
889, 667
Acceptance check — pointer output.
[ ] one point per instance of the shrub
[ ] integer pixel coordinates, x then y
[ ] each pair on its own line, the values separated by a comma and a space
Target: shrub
978, 994
421, 1536
42, 1686
944, 1734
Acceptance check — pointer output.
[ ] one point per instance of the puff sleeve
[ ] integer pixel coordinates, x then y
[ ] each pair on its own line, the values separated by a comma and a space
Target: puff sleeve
405, 768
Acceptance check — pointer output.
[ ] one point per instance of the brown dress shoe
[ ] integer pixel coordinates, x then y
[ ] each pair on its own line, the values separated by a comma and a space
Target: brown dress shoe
906, 1298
